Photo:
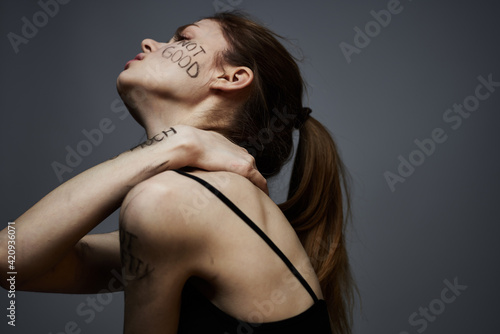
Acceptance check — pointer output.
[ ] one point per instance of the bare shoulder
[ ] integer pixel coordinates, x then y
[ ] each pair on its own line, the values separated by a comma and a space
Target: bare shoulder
204, 202
205, 238
178, 220
233, 186
173, 193
171, 205
153, 206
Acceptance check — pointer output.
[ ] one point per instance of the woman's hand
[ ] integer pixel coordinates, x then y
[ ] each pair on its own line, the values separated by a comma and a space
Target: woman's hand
212, 151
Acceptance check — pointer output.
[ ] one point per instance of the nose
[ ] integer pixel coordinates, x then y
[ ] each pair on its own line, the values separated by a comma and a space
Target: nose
150, 45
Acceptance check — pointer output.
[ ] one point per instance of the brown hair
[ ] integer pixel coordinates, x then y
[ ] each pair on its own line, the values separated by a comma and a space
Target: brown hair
318, 203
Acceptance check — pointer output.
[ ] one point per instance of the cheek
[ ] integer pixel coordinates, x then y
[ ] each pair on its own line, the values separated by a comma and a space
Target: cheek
188, 56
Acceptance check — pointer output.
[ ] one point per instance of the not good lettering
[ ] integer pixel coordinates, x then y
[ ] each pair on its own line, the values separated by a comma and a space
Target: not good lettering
184, 57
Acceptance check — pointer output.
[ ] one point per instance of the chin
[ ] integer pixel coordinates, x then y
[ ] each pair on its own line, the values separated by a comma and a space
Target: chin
122, 82
131, 95
128, 89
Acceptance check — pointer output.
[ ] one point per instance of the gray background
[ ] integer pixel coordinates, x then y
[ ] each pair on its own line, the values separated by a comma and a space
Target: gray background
439, 224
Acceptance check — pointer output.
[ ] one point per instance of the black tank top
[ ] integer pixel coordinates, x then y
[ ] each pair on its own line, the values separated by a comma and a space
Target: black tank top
199, 315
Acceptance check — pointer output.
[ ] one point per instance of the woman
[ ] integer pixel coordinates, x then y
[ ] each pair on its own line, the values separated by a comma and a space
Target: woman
203, 248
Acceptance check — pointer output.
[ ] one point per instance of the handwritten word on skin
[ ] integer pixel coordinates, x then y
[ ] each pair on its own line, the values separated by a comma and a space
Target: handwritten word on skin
184, 57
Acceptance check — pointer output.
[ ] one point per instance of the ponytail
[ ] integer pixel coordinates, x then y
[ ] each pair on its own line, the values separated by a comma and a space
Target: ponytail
318, 207
318, 199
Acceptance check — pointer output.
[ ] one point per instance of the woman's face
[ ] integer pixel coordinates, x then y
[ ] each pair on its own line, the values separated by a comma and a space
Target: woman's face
179, 70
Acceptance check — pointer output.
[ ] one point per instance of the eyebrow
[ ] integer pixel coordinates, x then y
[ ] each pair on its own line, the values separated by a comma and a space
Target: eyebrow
184, 27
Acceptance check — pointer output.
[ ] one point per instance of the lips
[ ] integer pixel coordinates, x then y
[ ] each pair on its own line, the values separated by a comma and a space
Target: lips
140, 56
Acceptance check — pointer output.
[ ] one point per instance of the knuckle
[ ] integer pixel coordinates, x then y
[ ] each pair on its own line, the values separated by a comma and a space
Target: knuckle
249, 169
251, 160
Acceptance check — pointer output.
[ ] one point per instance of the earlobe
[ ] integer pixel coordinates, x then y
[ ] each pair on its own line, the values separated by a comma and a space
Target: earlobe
234, 78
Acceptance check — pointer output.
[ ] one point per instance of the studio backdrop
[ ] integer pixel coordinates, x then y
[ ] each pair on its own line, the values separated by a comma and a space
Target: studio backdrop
410, 90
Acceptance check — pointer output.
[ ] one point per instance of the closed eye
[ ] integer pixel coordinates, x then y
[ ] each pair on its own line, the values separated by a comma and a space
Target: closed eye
179, 37
179, 33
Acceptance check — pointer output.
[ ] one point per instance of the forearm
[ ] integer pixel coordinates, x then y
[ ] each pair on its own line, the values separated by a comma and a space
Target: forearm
48, 230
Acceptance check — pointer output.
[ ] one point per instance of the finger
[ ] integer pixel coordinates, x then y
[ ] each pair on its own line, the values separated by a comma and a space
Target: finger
246, 169
256, 178
253, 174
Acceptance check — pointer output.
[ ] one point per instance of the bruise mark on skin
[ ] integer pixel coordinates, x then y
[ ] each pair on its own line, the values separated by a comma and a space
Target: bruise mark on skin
134, 267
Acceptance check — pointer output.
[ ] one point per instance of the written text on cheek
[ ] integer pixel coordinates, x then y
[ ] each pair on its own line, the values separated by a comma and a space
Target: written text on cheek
184, 56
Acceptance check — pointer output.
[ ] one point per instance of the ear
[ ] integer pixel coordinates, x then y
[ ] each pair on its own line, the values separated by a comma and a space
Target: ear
234, 79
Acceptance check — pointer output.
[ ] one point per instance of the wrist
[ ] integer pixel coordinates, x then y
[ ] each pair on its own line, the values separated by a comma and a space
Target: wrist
168, 149
159, 137
182, 147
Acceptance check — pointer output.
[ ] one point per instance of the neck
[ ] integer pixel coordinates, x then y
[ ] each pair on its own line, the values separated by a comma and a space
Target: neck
160, 116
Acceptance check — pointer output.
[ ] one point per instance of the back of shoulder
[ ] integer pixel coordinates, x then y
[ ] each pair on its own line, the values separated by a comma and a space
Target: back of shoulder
153, 207
223, 186
183, 202
174, 214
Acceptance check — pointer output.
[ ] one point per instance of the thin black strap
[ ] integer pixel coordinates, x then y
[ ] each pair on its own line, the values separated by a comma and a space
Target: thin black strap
250, 223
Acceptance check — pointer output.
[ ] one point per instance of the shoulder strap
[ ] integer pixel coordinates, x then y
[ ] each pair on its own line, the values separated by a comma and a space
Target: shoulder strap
250, 223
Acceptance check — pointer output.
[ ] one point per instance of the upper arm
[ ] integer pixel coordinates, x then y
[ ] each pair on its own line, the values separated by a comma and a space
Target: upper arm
91, 266
159, 252
152, 214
